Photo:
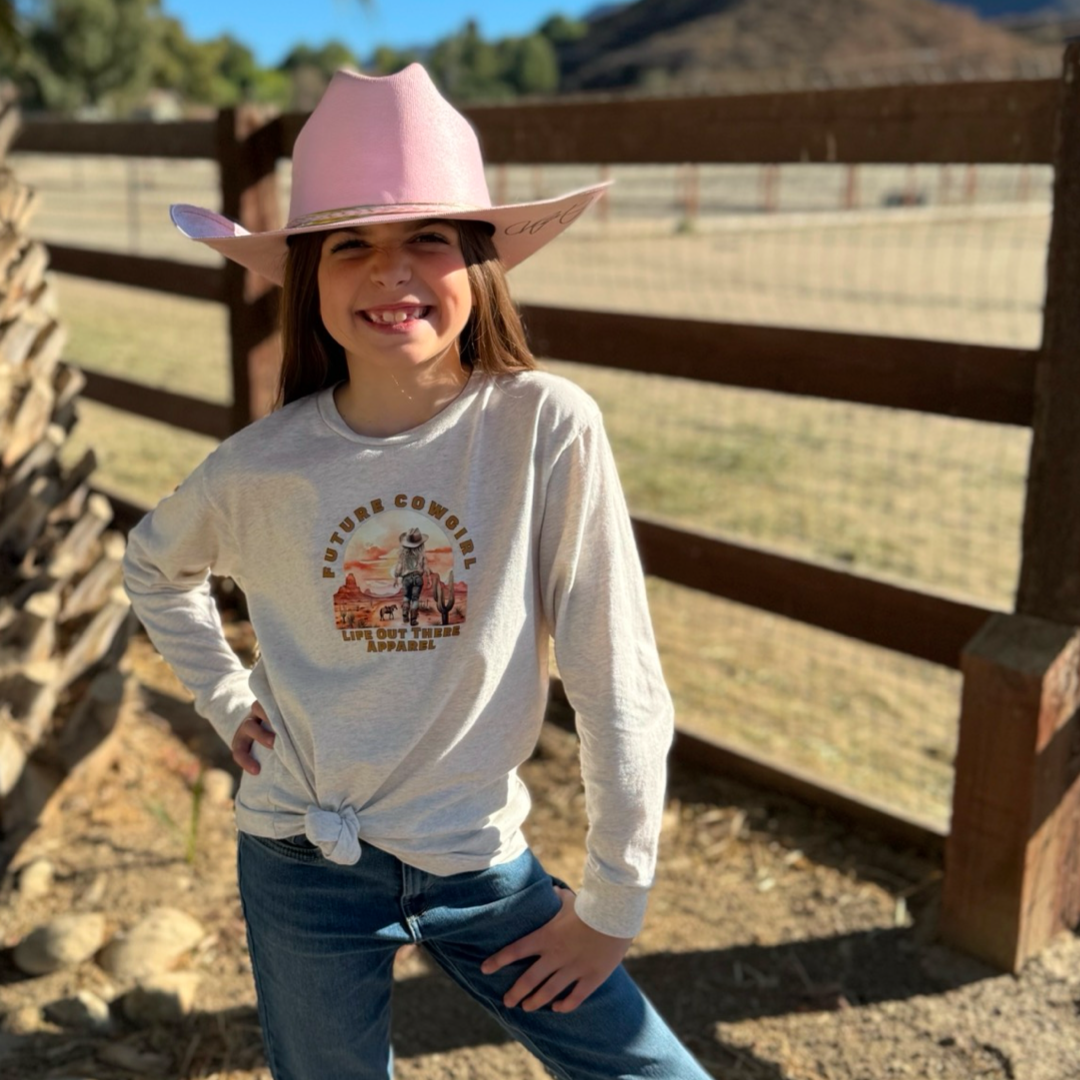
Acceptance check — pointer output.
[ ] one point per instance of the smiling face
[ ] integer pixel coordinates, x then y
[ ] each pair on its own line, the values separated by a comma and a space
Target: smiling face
395, 296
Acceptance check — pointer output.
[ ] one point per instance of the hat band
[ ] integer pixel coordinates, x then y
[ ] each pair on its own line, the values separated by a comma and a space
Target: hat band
350, 213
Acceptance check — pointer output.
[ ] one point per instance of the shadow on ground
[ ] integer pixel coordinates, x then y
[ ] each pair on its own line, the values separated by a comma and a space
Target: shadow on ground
432, 1016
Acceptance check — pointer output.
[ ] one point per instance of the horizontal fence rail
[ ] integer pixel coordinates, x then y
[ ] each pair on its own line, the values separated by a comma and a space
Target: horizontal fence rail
979, 382
987, 123
928, 626
138, 271
984, 122
177, 139
204, 417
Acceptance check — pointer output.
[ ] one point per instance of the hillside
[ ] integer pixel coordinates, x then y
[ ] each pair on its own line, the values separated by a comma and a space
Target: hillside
995, 9
733, 45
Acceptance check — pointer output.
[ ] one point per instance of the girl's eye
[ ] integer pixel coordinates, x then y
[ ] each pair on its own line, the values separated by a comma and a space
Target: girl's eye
432, 237
342, 245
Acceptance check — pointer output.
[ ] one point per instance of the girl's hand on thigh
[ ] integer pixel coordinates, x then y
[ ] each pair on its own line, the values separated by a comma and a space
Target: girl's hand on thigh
254, 728
568, 952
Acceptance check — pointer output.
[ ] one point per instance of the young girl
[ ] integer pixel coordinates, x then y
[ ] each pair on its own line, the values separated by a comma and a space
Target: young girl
411, 525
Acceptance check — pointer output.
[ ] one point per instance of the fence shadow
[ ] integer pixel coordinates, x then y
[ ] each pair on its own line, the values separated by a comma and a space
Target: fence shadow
694, 991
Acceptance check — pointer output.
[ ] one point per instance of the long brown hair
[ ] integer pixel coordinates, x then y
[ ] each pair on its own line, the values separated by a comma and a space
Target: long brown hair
493, 339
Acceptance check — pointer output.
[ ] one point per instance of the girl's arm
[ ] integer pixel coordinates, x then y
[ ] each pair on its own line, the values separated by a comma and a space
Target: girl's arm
594, 598
170, 555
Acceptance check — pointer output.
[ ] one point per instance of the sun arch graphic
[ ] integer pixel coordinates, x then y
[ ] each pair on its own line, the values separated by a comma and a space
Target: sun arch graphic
371, 595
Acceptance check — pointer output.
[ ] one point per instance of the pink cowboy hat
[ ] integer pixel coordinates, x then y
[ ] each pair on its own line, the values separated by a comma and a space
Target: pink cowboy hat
379, 150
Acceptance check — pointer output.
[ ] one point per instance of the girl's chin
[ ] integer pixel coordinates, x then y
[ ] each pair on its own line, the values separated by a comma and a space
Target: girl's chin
409, 355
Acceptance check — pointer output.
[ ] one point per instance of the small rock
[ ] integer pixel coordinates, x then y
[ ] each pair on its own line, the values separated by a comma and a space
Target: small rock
218, 787
104, 989
85, 1010
152, 945
62, 942
128, 1057
22, 1021
95, 892
161, 999
36, 879
1060, 961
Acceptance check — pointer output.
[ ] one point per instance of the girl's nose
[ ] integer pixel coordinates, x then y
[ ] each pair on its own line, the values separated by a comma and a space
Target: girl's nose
390, 266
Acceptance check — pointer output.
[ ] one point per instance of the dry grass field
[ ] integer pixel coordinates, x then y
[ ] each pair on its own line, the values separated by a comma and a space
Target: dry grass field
927, 500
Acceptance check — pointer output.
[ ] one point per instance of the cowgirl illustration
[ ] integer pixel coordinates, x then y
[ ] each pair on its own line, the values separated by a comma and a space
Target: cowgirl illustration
380, 802
410, 571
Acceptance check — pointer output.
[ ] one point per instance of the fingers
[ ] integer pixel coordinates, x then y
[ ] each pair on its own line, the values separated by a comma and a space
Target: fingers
261, 734
549, 990
535, 976
517, 950
244, 759
576, 996
254, 728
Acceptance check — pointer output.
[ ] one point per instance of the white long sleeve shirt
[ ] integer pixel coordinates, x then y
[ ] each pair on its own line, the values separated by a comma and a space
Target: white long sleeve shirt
405, 728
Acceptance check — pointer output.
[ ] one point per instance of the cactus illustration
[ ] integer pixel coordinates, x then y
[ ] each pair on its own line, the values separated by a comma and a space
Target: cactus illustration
444, 596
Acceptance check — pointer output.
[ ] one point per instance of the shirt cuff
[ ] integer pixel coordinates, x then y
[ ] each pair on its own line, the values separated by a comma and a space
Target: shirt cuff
616, 910
231, 702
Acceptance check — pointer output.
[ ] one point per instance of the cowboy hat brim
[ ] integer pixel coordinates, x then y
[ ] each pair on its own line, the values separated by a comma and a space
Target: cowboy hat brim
521, 229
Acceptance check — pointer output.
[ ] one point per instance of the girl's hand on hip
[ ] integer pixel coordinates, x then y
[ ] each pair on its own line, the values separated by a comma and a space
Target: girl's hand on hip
568, 952
254, 728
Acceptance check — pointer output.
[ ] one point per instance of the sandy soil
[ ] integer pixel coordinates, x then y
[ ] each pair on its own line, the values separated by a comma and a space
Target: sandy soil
780, 945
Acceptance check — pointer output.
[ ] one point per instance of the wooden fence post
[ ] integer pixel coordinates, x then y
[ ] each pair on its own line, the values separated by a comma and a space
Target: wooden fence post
248, 149
1012, 860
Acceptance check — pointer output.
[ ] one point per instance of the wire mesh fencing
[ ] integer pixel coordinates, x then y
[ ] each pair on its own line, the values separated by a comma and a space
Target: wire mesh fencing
953, 253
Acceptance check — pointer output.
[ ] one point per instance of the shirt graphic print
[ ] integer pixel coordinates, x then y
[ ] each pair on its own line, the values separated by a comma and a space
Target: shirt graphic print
398, 566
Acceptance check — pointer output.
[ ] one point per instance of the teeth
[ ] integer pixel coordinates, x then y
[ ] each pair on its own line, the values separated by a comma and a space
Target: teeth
396, 316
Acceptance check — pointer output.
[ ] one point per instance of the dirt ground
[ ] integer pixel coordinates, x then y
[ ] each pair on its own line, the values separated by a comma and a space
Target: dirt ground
780, 944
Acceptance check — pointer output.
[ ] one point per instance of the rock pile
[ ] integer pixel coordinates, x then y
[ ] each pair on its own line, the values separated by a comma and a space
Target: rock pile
143, 959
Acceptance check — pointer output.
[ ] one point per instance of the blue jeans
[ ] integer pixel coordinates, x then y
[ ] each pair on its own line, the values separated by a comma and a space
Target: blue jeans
322, 939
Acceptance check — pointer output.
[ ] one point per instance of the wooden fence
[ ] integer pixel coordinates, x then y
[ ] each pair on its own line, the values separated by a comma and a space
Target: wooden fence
1023, 123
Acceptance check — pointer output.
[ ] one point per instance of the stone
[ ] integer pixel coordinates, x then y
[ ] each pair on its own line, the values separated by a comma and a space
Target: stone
128, 1057
62, 942
161, 999
218, 787
22, 1021
153, 945
95, 892
35, 879
85, 1011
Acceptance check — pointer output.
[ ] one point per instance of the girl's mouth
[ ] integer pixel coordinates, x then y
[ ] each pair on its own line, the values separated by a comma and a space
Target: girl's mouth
395, 318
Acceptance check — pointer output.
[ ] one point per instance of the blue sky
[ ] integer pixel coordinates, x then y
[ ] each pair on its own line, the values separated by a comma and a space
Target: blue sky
271, 27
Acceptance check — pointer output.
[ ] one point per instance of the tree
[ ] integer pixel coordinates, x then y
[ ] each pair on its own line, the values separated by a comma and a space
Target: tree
387, 61
560, 30
333, 55
310, 70
222, 71
236, 70
534, 68
10, 38
82, 51
465, 67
